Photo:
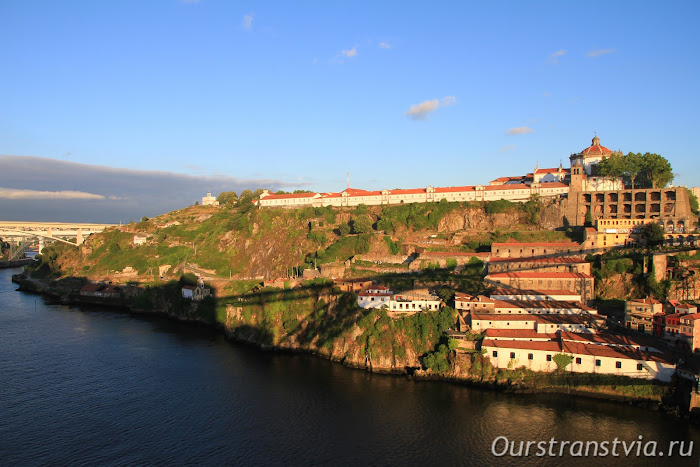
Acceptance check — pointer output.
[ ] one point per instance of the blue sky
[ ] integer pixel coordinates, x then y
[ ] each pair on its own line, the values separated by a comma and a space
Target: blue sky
294, 94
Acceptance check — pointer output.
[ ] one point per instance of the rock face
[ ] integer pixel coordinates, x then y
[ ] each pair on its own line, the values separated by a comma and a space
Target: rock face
476, 218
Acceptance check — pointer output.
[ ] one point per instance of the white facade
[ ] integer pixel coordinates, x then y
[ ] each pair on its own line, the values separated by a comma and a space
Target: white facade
538, 356
139, 240
414, 303
355, 197
209, 200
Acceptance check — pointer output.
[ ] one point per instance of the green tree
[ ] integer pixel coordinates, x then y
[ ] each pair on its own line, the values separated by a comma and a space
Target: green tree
246, 194
611, 167
228, 198
562, 361
344, 229
632, 166
656, 171
361, 225
653, 233
257, 193
144, 219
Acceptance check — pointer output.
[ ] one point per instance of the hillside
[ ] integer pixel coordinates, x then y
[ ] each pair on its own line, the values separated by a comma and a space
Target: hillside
245, 242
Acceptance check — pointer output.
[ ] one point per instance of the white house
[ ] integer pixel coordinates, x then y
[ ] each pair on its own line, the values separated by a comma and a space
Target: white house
209, 200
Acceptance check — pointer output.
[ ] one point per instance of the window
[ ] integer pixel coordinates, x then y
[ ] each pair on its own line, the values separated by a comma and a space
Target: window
512, 355
549, 358
640, 367
495, 353
530, 356
597, 363
618, 364
578, 360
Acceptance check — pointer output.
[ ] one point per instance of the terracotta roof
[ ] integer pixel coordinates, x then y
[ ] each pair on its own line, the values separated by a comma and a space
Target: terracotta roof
504, 291
607, 339
560, 260
518, 334
541, 275
552, 346
552, 170
408, 191
549, 304
504, 317
691, 317
614, 352
453, 189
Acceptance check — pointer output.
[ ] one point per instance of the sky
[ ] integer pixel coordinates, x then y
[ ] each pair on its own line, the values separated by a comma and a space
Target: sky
113, 110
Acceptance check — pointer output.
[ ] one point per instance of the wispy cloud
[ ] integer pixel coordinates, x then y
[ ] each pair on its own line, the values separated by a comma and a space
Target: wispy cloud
521, 130
248, 21
384, 45
547, 94
597, 53
424, 109
349, 52
10, 193
507, 148
554, 58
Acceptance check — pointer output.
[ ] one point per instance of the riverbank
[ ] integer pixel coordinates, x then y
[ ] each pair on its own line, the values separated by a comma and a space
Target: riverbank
465, 369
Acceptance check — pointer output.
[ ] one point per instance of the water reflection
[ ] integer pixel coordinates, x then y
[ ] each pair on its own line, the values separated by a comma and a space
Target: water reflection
93, 386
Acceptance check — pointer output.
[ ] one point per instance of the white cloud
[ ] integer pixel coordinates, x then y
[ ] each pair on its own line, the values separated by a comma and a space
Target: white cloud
349, 52
554, 58
448, 100
11, 193
384, 45
422, 110
248, 21
425, 108
521, 130
510, 147
596, 53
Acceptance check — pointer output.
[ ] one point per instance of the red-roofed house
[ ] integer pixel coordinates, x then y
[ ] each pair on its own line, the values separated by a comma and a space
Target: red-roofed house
690, 330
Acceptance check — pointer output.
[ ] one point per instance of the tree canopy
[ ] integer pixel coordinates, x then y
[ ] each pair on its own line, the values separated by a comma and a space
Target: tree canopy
638, 170
227, 197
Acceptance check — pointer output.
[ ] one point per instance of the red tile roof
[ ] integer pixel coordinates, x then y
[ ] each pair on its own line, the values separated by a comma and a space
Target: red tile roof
552, 170
518, 334
614, 352
453, 189
560, 260
504, 291
552, 346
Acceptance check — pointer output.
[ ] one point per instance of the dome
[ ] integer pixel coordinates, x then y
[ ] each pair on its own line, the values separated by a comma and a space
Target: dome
595, 149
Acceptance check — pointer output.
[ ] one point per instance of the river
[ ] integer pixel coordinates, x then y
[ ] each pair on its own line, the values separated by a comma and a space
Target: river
98, 387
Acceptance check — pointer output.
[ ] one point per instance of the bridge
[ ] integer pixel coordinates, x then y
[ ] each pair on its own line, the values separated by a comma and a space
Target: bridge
57, 231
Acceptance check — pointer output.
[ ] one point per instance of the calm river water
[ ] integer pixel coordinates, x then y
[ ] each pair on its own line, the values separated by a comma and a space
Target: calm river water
96, 387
